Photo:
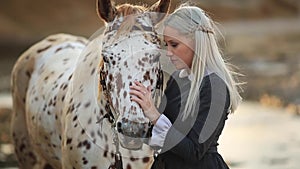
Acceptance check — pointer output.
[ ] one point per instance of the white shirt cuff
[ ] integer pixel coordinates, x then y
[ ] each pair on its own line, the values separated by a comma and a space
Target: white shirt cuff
159, 131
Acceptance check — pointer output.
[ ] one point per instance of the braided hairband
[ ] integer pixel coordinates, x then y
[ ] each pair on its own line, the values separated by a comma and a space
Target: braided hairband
202, 28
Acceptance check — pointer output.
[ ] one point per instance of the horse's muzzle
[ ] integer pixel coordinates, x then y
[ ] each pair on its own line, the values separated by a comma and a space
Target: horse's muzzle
133, 133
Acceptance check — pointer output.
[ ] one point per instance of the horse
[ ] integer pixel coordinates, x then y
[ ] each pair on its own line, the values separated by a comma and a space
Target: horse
71, 102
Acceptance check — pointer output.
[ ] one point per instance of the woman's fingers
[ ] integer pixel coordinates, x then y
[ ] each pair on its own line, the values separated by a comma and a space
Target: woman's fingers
138, 100
141, 95
136, 90
149, 88
139, 87
136, 93
138, 83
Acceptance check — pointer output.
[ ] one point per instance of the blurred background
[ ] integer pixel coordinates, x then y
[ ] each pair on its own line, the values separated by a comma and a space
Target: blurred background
262, 38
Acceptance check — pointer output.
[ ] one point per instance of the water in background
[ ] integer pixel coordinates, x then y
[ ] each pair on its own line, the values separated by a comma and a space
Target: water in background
258, 137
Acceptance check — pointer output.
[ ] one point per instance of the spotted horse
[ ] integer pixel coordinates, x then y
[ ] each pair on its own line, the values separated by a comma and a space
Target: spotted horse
71, 102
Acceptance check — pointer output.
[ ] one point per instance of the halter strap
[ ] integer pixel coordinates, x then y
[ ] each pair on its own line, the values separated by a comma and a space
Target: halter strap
140, 27
108, 106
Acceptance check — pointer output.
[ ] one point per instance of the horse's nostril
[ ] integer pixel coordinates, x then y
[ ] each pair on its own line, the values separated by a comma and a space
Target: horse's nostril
119, 127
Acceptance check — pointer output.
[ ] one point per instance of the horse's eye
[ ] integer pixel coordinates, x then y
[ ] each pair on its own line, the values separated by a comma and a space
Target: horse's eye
105, 59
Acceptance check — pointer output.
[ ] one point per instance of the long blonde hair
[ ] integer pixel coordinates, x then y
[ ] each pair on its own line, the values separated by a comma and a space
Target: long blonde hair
193, 22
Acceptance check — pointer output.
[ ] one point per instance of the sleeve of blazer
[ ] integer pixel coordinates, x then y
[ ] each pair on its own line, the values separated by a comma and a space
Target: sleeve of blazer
206, 127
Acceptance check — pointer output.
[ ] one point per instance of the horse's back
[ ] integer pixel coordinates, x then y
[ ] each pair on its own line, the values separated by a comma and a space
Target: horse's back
39, 81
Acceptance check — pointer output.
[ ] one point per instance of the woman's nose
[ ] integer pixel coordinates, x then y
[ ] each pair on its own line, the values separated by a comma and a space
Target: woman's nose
169, 53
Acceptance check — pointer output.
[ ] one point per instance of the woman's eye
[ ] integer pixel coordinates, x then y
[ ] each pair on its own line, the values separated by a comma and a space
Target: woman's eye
174, 45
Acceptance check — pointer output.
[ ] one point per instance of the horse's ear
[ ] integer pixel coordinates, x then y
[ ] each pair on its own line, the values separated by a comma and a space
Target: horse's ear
106, 10
161, 8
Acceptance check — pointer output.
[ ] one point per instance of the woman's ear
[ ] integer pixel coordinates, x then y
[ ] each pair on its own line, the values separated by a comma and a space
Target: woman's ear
159, 9
106, 10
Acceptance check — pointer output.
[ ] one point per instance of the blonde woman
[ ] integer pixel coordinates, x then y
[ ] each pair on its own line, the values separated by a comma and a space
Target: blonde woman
198, 96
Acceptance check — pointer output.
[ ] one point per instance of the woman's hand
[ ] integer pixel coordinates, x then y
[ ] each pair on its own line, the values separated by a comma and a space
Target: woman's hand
142, 96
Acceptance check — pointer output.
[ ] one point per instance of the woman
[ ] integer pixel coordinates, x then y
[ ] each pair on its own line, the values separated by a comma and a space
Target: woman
198, 97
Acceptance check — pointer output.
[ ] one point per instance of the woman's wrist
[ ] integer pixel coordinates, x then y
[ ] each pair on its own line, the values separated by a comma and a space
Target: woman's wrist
154, 120
153, 115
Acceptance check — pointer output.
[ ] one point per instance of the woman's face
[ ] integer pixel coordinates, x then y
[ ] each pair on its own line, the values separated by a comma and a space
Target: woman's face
180, 49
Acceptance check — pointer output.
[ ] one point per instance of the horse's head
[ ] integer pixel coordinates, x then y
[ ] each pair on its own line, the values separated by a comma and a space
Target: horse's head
130, 51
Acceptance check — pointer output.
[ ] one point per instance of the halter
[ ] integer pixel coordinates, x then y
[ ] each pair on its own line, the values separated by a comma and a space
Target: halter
116, 26
111, 111
138, 26
112, 119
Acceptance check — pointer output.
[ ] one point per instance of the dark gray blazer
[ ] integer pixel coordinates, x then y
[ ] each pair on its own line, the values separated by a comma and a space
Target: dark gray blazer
192, 144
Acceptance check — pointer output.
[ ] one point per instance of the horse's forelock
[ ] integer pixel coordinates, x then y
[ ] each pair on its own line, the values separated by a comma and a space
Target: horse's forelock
129, 12
129, 9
